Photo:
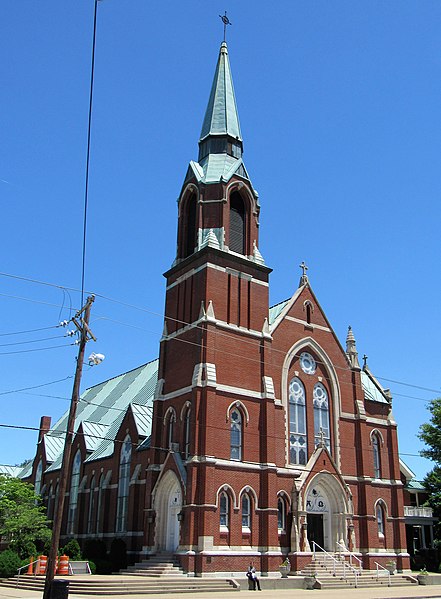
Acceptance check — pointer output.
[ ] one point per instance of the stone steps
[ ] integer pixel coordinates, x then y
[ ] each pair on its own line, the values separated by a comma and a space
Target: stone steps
330, 576
114, 585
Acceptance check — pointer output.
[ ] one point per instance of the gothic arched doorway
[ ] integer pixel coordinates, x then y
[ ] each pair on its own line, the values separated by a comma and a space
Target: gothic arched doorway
327, 512
168, 504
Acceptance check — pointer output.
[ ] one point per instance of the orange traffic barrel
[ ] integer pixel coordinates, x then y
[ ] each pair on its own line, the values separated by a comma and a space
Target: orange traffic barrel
63, 565
31, 565
41, 564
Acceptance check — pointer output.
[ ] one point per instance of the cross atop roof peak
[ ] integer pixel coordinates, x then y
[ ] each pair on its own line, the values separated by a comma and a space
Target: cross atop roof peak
304, 278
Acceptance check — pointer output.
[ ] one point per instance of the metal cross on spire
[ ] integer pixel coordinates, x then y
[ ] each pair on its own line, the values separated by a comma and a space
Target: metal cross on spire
226, 21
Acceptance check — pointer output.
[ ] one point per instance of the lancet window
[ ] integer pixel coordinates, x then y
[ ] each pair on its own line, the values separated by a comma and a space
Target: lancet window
297, 423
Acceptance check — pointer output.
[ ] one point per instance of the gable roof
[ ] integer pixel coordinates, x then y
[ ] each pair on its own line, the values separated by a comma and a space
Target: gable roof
101, 410
373, 391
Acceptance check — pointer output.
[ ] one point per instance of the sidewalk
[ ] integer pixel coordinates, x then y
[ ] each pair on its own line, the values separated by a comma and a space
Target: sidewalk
386, 593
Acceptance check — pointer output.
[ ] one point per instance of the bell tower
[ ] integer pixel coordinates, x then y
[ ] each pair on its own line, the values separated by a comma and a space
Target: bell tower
218, 223
216, 332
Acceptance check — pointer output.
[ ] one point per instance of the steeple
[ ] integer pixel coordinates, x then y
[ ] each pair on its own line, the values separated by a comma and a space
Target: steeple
218, 205
221, 130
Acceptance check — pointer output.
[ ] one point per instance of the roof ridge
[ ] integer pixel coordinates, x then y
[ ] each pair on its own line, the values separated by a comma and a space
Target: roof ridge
117, 376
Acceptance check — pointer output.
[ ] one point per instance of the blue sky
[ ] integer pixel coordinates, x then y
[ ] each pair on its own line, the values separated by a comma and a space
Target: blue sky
339, 108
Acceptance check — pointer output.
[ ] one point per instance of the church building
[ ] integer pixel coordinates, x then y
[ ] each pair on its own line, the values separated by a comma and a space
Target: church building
256, 436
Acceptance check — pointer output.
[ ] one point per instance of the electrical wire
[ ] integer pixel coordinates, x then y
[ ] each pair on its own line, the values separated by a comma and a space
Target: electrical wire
26, 351
56, 432
184, 323
31, 341
28, 299
55, 326
23, 389
89, 129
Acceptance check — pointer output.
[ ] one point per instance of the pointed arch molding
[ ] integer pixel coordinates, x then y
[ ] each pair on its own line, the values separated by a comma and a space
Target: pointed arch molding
246, 194
247, 490
291, 354
185, 407
240, 406
376, 433
186, 193
228, 489
171, 412
383, 504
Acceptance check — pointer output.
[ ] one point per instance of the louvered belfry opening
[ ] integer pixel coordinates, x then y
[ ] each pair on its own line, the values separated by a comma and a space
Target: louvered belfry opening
190, 229
237, 223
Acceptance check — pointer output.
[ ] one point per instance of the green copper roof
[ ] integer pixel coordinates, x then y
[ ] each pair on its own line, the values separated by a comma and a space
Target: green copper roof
102, 409
221, 117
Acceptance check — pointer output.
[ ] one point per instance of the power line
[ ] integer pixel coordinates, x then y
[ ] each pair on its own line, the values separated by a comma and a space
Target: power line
184, 323
30, 341
26, 351
28, 299
23, 389
56, 432
55, 326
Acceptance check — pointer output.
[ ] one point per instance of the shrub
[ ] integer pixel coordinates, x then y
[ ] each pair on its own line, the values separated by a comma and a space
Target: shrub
118, 554
103, 566
92, 566
95, 549
72, 549
10, 562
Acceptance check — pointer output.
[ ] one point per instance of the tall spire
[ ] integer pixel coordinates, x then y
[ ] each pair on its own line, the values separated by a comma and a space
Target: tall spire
221, 117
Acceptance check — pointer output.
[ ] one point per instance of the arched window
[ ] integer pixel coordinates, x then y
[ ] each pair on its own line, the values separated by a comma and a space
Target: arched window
123, 485
321, 416
224, 510
376, 453
235, 435
38, 474
298, 449
281, 514
190, 239
73, 496
237, 223
246, 511
99, 504
170, 428
309, 308
91, 506
380, 519
187, 432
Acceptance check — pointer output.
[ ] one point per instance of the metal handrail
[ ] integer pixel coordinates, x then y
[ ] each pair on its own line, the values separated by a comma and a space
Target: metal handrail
383, 568
36, 561
351, 555
335, 562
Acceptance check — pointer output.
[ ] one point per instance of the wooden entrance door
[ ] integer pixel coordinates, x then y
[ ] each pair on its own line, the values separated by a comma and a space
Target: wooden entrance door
315, 530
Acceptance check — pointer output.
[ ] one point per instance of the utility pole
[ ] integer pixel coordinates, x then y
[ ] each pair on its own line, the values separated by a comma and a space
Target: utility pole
82, 325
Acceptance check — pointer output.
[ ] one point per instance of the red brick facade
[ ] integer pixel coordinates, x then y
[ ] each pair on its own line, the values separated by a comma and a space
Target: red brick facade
233, 473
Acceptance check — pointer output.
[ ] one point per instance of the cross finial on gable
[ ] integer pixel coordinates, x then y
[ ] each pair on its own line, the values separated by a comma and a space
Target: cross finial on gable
304, 278
365, 359
322, 438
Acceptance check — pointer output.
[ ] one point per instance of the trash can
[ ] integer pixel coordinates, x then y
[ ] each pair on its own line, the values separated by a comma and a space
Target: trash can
59, 589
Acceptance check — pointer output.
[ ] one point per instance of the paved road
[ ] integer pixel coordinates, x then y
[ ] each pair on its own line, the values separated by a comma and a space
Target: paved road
386, 593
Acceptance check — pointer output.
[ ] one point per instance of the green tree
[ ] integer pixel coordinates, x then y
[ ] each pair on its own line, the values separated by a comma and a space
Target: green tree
430, 433
22, 519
